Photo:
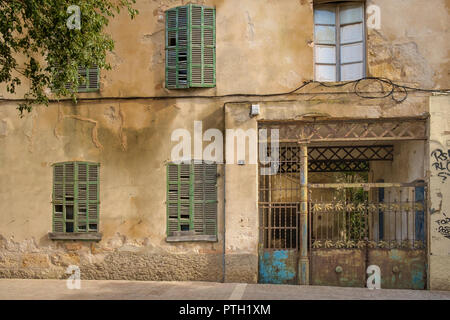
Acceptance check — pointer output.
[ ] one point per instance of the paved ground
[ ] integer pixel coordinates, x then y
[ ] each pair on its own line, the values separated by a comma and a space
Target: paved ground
130, 290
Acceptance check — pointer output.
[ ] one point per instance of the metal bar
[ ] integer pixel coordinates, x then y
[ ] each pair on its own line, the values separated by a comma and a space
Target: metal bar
304, 259
363, 185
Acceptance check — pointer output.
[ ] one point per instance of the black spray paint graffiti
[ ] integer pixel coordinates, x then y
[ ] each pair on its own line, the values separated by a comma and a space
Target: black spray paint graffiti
442, 163
444, 226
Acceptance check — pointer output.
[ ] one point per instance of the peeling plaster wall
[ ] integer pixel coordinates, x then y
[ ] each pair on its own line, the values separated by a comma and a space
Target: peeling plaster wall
439, 209
262, 47
131, 141
407, 166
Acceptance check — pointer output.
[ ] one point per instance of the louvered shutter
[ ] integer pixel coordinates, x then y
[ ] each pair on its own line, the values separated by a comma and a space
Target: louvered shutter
58, 195
190, 47
83, 79
93, 197
93, 78
89, 79
177, 33
173, 188
205, 199
75, 197
203, 47
192, 198
82, 217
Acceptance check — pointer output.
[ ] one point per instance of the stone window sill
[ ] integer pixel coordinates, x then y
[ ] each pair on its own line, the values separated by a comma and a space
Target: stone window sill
191, 238
92, 236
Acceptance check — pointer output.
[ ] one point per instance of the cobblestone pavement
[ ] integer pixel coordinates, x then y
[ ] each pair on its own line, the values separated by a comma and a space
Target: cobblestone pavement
130, 290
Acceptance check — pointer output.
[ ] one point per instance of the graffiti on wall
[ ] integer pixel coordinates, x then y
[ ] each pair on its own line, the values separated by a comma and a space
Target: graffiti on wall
441, 163
444, 226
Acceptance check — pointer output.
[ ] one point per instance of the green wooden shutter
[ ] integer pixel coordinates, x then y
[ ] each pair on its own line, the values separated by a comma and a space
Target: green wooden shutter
83, 78
173, 188
82, 188
205, 199
192, 198
172, 198
69, 197
91, 80
190, 47
58, 196
93, 197
202, 46
75, 197
177, 47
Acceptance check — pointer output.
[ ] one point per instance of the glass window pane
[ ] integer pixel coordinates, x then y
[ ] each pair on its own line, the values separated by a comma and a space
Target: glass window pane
325, 54
352, 53
325, 73
325, 35
351, 14
352, 33
351, 71
325, 15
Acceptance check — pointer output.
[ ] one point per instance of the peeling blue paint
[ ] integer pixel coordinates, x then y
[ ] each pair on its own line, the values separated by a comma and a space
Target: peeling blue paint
417, 279
277, 267
395, 255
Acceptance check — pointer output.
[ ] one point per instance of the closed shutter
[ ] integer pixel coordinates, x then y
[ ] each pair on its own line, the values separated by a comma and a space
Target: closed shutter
75, 197
192, 198
82, 197
205, 199
93, 78
203, 47
93, 197
173, 187
90, 79
177, 34
190, 47
58, 195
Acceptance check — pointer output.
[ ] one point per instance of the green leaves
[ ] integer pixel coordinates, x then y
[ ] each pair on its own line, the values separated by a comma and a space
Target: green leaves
36, 30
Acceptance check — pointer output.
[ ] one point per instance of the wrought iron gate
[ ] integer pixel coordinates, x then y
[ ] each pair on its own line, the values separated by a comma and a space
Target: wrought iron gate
279, 221
356, 225
350, 225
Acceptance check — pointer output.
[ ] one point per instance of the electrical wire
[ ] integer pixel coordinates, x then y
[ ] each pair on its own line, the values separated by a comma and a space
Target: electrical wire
392, 90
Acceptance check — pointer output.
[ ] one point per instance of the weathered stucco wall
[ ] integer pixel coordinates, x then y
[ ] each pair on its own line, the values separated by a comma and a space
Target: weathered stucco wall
132, 143
262, 47
439, 166
408, 164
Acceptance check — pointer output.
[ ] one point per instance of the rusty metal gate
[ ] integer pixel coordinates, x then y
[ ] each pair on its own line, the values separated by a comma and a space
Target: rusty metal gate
328, 234
350, 225
279, 221
355, 225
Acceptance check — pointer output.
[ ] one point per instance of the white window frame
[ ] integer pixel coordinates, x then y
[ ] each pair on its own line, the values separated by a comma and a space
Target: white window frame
338, 45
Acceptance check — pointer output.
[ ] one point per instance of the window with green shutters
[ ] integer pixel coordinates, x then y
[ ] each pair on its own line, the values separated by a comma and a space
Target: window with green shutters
190, 47
192, 199
75, 197
91, 79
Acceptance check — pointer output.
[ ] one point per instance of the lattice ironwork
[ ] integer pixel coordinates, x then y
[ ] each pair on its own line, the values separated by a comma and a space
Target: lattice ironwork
338, 166
377, 216
387, 129
362, 153
333, 159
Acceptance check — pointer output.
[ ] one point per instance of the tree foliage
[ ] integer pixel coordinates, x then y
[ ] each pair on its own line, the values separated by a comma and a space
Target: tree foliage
36, 43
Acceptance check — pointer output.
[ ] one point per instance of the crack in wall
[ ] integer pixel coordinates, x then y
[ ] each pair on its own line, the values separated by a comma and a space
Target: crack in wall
94, 134
122, 136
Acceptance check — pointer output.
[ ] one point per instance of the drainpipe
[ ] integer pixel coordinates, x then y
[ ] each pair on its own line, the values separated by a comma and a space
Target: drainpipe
304, 260
224, 227
224, 192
